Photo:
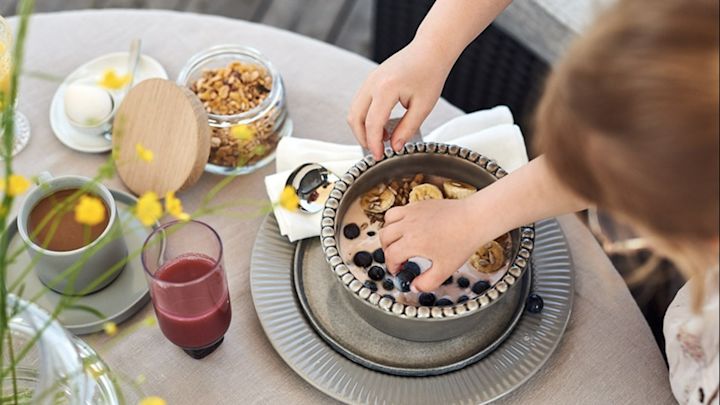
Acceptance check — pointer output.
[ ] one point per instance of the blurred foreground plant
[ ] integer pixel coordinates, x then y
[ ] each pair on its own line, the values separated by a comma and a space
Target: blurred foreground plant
87, 210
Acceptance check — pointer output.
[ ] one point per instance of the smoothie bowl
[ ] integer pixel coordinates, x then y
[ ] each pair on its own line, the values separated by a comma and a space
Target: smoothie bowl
484, 292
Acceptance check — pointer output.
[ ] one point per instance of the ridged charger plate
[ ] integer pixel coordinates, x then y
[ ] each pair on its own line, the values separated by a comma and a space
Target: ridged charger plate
518, 358
351, 335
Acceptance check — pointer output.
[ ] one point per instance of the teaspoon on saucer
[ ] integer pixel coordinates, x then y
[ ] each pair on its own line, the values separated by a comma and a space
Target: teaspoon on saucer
133, 61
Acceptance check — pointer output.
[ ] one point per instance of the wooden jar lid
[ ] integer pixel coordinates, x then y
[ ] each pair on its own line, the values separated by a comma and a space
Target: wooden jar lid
170, 121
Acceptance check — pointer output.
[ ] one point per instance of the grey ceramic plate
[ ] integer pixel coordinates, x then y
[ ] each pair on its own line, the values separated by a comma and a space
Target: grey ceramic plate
348, 333
522, 354
118, 301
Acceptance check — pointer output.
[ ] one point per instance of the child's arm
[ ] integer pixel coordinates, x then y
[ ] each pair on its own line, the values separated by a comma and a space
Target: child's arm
449, 231
415, 75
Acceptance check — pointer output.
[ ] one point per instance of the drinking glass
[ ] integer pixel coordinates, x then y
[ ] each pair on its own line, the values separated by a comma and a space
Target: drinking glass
21, 132
184, 266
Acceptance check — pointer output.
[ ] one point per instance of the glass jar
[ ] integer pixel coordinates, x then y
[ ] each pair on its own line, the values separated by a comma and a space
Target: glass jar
260, 126
57, 368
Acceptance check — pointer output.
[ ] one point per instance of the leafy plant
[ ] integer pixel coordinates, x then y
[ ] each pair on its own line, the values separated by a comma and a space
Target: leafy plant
88, 211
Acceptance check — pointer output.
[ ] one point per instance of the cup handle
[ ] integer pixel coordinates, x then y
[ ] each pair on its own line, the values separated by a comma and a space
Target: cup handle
43, 178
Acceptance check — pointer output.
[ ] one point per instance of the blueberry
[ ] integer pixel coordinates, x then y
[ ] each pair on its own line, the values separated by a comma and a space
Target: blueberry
362, 259
412, 267
443, 302
379, 256
351, 231
371, 234
389, 296
462, 299
388, 284
370, 285
480, 286
404, 279
426, 299
463, 282
448, 281
376, 273
534, 303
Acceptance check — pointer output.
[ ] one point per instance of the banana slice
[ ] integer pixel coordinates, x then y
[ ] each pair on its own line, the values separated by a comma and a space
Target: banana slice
378, 200
425, 191
489, 258
457, 190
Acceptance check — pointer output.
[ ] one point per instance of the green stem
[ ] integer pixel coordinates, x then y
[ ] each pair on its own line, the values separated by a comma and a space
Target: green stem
11, 352
8, 138
216, 189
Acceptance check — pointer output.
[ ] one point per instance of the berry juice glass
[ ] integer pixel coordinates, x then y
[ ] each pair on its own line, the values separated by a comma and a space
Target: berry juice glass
184, 266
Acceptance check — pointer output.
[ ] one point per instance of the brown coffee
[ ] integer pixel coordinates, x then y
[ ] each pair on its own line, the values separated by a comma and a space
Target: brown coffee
52, 223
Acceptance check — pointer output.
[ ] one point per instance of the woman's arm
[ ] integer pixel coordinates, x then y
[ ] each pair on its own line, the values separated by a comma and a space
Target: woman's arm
449, 231
415, 75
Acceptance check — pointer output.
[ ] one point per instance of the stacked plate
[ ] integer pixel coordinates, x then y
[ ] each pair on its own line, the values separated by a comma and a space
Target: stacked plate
315, 330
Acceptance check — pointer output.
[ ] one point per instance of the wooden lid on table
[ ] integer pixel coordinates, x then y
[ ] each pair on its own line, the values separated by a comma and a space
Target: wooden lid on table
168, 120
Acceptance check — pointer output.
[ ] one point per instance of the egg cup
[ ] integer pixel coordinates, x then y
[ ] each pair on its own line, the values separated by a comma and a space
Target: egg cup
99, 127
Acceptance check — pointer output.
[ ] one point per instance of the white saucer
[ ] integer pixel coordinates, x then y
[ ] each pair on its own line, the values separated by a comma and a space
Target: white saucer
148, 68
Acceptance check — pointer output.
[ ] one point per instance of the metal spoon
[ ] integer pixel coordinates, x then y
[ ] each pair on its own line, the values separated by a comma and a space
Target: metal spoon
133, 61
312, 182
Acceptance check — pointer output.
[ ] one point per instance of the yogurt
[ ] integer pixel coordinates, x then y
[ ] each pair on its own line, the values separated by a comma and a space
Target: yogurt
361, 252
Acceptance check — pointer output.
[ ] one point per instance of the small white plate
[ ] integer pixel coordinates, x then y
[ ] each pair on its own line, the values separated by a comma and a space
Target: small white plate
92, 71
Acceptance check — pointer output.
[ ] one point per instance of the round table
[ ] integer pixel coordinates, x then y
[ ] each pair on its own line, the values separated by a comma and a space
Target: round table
608, 354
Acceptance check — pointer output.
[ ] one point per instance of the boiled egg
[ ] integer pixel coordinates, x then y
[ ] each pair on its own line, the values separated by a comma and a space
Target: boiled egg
87, 105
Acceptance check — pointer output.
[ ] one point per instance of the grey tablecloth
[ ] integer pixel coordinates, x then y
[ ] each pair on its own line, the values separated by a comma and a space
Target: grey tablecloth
607, 356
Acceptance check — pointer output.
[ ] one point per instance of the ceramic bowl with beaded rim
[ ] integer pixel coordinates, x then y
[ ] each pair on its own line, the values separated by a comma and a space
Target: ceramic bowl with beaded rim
419, 323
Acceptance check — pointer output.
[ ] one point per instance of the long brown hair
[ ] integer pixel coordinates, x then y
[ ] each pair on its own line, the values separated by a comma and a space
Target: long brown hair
629, 120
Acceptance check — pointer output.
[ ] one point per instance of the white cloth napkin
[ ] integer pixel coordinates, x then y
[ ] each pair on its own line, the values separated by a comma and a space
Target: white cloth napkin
489, 132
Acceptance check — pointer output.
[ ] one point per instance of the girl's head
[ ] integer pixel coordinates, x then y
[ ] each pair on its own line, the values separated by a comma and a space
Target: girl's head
629, 120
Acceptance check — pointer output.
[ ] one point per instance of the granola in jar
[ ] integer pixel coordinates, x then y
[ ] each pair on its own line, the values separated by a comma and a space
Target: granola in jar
245, 100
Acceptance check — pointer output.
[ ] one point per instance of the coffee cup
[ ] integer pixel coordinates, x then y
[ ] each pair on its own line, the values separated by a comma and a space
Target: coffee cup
102, 249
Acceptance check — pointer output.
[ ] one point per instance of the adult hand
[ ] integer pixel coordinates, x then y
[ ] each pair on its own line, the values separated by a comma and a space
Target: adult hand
413, 77
442, 231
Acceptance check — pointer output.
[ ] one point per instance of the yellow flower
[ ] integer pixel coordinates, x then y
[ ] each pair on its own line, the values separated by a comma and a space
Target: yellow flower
152, 400
150, 320
113, 81
242, 132
110, 328
289, 199
173, 206
148, 209
17, 185
89, 210
144, 154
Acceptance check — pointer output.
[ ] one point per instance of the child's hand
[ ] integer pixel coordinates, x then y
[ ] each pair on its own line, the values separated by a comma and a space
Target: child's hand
414, 77
448, 232
442, 231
